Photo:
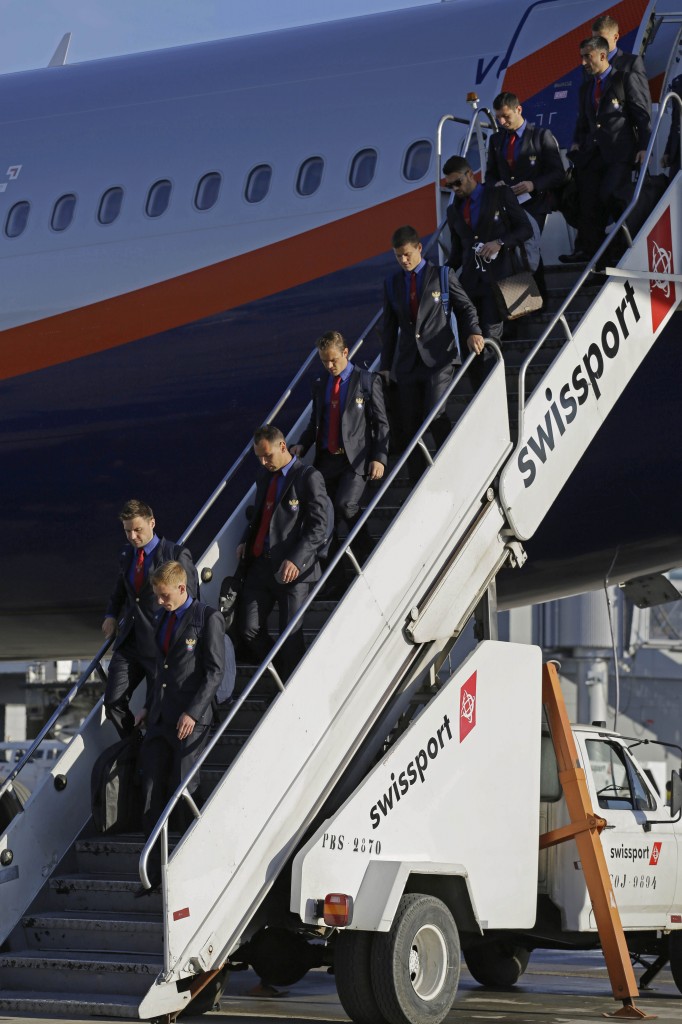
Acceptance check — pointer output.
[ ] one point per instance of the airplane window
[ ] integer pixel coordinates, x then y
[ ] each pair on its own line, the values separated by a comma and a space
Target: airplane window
310, 176
258, 183
158, 198
62, 213
17, 219
417, 160
363, 168
208, 191
110, 205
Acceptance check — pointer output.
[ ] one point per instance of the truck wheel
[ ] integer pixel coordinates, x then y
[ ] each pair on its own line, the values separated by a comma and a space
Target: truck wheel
353, 977
496, 964
675, 954
415, 966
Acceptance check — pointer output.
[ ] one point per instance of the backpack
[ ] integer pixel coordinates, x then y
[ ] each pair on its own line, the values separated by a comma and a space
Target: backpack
224, 691
116, 798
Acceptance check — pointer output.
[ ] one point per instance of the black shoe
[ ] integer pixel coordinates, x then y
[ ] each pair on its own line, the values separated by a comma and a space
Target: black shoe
574, 257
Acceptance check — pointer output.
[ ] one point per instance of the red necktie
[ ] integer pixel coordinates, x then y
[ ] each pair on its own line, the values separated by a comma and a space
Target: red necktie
597, 93
511, 146
266, 516
466, 211
333, 437
414, 298
169, 632
138, 576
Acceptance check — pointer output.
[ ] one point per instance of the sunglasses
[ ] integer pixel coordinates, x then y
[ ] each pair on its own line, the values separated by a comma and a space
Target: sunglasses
456, 183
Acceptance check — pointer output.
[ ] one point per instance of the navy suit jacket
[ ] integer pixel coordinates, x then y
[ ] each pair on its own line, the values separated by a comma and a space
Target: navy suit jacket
500, 217
139, 610
298, 528
536, 158
188, 676
430, 340
621, 125
364, 424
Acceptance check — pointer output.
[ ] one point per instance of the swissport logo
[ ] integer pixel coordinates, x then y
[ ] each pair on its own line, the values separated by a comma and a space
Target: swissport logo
467, 707
660, 251
655, 854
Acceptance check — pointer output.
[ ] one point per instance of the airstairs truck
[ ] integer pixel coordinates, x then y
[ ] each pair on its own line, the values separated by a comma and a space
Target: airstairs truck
458, 841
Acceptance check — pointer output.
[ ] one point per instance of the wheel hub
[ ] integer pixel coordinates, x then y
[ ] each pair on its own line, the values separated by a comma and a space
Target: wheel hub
428, 962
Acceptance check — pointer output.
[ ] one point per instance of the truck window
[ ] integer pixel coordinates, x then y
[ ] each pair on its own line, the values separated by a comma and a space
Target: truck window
618, 784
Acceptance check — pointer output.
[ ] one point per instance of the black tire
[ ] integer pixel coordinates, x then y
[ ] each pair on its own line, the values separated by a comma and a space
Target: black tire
353, 977
496, 964
415, 966
675, 954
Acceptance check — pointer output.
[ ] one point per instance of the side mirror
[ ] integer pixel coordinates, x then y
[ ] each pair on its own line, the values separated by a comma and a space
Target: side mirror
675, 796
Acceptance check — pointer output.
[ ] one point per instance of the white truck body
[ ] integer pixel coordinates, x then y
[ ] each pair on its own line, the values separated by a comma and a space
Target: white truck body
459, 796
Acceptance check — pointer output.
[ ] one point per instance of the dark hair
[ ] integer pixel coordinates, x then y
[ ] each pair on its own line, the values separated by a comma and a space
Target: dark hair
595, 43
268, 432
405, 235
134, 508
456, 165
605, 21
331, 339
506, 99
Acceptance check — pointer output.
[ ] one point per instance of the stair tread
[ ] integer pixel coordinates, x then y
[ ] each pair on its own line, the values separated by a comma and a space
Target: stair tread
82, 918
83, 959
43, 999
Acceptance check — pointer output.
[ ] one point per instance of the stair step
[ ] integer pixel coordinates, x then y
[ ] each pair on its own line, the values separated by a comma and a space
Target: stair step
76, 893
94, 972
95, 930
68, 1005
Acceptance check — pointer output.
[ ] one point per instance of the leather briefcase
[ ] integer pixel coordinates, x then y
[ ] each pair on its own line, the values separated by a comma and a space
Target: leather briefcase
517, 295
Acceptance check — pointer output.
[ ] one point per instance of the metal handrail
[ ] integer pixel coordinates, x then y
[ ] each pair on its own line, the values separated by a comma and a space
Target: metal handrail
559, 316
95, 665
161, 827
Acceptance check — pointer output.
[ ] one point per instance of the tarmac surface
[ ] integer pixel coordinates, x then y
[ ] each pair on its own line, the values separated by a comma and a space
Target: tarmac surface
557, 988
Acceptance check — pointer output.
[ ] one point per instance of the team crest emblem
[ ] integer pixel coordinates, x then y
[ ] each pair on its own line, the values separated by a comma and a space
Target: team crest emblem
359, 400
190, 643
532, 160
435, 296
616, 104
293, 503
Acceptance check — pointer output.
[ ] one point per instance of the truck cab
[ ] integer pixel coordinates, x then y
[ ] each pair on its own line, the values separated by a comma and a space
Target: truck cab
641, 843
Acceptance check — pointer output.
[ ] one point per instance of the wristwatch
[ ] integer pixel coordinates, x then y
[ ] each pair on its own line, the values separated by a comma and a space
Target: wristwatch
499, 241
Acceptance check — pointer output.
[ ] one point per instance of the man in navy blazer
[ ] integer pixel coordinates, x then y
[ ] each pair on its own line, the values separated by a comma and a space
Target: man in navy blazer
611, 136
132, 609
349, 428
486, 225
190, 664
418, 343
525, 157
280, 547
630, 64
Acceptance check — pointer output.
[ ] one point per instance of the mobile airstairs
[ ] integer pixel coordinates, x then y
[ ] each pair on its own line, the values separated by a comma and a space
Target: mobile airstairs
74, 937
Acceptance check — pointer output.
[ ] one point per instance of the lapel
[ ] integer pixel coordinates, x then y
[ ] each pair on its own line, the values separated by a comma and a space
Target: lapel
526, 140
182, 626
607, 87
428, 286
351, 390
399, 293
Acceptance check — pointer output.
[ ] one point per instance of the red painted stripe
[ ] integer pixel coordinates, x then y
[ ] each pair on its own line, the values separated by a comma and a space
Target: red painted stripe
551, 63
225, 285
